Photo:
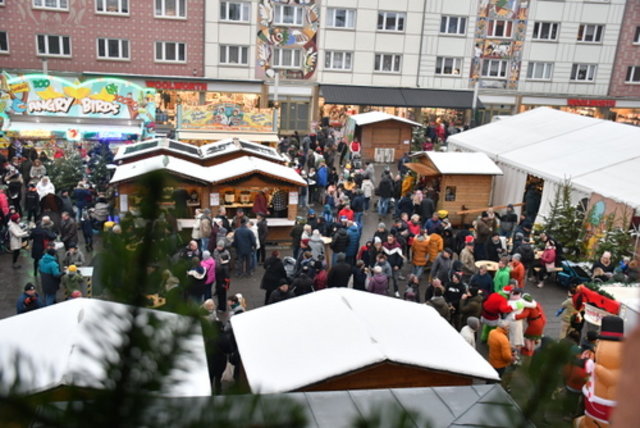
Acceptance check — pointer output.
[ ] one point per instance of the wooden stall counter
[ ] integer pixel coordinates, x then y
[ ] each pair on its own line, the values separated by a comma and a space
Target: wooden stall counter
279, 228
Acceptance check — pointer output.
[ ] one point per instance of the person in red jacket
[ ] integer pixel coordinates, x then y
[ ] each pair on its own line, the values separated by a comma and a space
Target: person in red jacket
346, 212
493, 308
536, 320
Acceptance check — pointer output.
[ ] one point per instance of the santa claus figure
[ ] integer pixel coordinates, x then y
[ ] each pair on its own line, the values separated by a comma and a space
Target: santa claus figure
600, 390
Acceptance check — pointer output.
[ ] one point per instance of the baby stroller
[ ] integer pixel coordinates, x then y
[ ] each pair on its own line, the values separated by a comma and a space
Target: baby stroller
572, 273
289, 267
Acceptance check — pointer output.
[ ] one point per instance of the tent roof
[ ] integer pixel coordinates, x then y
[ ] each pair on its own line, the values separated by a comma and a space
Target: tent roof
336, 331
68, 343
222, 172
378, 116
597, 155
462, 163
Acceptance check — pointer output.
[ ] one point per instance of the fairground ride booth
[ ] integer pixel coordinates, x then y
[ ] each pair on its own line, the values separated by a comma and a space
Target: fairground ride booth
48, 111
215, 122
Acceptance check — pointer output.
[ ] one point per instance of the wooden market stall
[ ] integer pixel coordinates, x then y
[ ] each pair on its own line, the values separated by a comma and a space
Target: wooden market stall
463, 180
354, 348
384, 137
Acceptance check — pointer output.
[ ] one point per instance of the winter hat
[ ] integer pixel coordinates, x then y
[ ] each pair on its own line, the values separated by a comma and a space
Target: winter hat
377, 240
72, 268
29, 286
377, 269
381, 225
474, 323
612, 328
76, 293
468, 239
311, 212
15, 217
220, 243
206, 255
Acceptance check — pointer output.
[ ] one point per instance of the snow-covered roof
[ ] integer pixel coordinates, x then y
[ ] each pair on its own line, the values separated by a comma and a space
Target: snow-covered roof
207, 151
598, 156
209, 174
68, 344
308, 339
467, 163
378, 116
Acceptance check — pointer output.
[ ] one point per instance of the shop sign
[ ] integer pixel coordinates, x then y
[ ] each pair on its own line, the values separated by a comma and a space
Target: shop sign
177, 86
44, 95
579, 102
227, 117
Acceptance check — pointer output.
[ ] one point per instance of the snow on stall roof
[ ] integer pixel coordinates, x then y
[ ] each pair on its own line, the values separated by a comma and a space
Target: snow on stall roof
248, 164
141, 167
230, 145
463, 163
378, 116
302, 341
60, 345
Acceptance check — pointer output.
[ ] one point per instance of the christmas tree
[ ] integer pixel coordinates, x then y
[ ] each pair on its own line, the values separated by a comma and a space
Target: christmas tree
66, 172
618, 237
99, 159
565, 221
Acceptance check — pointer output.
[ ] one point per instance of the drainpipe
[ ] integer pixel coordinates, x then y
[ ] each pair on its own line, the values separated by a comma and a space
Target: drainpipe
424, 7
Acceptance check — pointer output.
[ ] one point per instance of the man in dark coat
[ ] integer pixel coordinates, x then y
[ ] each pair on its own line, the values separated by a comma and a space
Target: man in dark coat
29, 300
385, 192
41, 235
68, 231
244, 242
339, 243
281, 293
263, 231
340, 272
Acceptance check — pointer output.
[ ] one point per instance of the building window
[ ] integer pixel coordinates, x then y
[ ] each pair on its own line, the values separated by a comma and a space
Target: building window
171, 9
4, 42
286, 58
499, 28
387, 63
636, 38
294, 116
234, 55
545, 31
448, 66
583, 72
495, 68
53, 45
391, 21
118, 7
51, 4
633, 74
450, 193
171, 52
336, 60
341, 18
590, 33
453, 25
234, 11
540, 71
113, 49
288, 15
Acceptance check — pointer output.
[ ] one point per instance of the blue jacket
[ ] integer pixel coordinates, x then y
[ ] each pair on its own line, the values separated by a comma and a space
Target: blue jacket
50, 270
353, 232
244, 240
27, 303
322, 176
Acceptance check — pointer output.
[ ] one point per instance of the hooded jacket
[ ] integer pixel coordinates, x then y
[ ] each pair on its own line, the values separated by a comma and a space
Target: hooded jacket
379, 284
51, 274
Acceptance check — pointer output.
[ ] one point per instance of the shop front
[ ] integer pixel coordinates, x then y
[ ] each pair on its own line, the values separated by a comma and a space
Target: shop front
617, 110
47, 111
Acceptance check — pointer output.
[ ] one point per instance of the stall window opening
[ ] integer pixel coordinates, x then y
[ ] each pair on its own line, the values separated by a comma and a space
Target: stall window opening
234, 11
453, 25
387, 63
633, 74
51, 4
545, 31
588, 33
583, 72
495, 68
171, 52
540, 71
113, 49
234, 55
171, 9
337, 60
4, 42
50, 45
448, 66
391, 21
450, 193
286, 58
341, 18
120, 7
288, 15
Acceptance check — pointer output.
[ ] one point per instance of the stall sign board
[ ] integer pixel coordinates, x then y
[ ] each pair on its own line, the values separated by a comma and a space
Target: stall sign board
176, 85
227, 117
214, 199
293, 198
579, 102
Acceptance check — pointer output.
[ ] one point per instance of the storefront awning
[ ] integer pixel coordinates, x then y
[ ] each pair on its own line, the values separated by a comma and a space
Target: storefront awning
397, 97
217, 136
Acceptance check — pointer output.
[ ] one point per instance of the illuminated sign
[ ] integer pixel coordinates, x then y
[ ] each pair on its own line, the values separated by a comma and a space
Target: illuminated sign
579, 102
178, 86
52, 105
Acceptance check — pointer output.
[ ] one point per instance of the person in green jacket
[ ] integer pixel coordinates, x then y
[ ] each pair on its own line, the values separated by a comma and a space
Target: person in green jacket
501, 278
73, 281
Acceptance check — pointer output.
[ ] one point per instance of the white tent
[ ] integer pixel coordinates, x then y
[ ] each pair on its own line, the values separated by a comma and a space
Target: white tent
379, 116
597, 155
308, 339
67, 344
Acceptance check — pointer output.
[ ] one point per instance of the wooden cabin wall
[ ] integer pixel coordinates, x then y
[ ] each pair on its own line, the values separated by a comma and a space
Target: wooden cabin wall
388, 134
472, 192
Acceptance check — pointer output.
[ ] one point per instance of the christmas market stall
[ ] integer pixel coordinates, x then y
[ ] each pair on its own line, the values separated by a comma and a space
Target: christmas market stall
462, 181
354, 348
384, 137
48, 111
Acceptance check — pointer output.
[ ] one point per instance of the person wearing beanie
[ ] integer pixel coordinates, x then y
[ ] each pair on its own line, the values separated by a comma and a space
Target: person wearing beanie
381, 232
222, 257
493, 308
73, 281
500, 355
419, 253
16, 234
73, 256
281, 293
29, 300
51, 275
468, 259
469, 331
379, 283
209, 264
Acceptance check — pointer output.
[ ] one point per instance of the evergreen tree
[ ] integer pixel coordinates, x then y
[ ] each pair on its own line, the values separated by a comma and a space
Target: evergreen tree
618, 237
565, 222
100, 157
65, 172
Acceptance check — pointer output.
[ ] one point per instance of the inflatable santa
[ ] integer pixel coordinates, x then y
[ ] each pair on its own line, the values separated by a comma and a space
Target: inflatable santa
600, 390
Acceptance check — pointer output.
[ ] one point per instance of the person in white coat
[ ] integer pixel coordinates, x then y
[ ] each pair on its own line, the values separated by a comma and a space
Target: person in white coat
468, 332
45, 187
16, 233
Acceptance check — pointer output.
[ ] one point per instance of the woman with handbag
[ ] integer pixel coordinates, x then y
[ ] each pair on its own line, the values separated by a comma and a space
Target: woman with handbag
547, 261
